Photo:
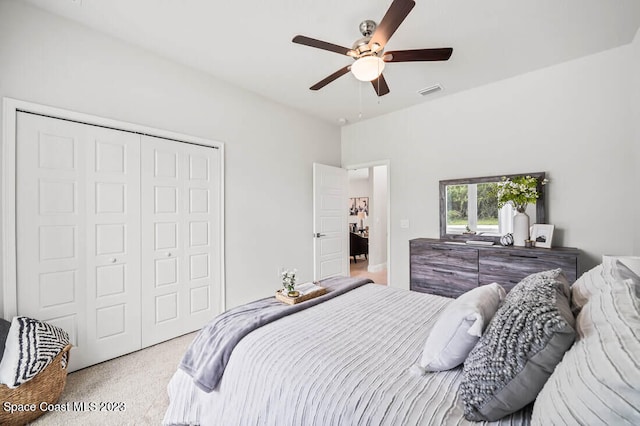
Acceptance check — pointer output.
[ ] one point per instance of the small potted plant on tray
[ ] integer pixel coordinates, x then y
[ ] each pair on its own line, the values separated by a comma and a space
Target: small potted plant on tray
289, 283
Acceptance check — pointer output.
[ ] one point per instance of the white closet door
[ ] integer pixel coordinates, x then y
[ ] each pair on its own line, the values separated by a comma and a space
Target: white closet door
78, 250
113, 243
180, 238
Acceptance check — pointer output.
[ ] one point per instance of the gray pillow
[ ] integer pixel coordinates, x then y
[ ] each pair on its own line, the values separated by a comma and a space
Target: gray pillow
4, 330
522, 345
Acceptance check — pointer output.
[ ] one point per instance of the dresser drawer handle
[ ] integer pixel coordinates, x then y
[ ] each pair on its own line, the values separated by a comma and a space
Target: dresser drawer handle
440, 271
441, 248
523, 255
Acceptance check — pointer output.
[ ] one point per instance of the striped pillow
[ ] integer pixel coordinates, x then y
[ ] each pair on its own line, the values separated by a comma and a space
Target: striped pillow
30, 347
631, 264
588, 284
613, 268
598, 381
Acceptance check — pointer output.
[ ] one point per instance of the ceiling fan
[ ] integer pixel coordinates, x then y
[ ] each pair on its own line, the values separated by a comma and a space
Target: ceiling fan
368, 52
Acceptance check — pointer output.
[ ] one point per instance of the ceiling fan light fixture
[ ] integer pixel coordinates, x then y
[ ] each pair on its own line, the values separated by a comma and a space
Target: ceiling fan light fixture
367, 68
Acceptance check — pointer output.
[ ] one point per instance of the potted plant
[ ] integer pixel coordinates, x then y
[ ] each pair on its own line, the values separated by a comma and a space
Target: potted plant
289, 282
519, 191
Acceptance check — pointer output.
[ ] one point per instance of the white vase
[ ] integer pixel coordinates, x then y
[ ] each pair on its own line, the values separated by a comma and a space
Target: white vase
520, 228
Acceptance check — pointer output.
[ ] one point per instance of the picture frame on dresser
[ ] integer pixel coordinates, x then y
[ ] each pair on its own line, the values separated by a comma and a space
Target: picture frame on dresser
542, 235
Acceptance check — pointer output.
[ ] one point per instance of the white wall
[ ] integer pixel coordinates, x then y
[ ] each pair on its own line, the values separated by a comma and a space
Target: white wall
572, 121
269, 148
378, 226
636, 141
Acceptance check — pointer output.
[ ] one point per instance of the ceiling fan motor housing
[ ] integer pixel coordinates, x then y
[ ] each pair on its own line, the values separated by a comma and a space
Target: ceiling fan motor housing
361, 46
367, 27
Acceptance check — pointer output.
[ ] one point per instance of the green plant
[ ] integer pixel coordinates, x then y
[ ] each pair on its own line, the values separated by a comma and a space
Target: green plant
519, 191
289, 279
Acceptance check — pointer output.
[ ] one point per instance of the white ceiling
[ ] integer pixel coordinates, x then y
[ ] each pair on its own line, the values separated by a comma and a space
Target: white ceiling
248, 43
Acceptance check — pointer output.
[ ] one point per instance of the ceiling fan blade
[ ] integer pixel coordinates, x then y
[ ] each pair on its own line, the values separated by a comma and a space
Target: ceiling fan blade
397, 13
442, 54
380, 85
342, 71
319, 44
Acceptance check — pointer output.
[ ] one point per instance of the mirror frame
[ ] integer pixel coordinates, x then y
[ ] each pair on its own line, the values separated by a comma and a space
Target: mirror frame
540, 203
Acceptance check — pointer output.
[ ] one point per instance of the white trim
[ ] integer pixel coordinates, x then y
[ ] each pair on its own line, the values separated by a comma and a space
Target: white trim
10, 108
388, 164
9, 290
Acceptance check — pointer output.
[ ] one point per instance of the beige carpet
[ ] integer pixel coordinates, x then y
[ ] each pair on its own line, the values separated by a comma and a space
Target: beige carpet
139, 380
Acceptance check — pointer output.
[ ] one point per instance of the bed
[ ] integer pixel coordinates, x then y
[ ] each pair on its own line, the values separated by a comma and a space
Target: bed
349, 359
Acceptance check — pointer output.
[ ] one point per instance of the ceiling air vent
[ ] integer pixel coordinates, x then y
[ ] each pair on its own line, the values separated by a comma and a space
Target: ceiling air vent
429, 90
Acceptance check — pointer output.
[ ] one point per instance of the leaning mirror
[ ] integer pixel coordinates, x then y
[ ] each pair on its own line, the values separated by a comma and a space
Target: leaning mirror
469, 208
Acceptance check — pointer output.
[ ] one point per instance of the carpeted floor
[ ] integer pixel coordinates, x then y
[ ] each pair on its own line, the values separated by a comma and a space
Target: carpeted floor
136, 382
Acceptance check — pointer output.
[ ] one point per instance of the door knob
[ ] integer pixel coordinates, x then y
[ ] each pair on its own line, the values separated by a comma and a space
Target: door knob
168, 254
112, 260
318, 235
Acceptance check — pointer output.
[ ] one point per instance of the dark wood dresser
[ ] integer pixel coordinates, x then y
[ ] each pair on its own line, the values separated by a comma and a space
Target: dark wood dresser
449, 268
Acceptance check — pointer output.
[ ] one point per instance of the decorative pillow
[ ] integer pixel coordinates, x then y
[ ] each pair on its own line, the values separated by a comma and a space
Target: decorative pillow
589, 283
598, 381
629, 263
30, 347
4, 330
613, 268
523, 343
460, 326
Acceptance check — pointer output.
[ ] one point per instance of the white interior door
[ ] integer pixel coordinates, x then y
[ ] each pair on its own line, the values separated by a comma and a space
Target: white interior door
77, 198
330, 216
180, 238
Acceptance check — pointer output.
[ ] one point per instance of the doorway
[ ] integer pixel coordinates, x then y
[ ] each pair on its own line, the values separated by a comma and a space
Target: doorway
368, 221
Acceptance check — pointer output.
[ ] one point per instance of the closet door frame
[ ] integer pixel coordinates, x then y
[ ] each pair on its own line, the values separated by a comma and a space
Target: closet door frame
9, 115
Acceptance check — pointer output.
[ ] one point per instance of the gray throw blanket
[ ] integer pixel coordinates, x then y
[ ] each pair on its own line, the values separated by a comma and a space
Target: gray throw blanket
209, 353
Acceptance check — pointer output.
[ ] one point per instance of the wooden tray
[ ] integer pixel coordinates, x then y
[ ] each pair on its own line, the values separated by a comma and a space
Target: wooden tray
281, 296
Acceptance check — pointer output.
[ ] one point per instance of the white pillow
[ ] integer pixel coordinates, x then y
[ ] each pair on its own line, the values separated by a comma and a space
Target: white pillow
621, 266
598, 380
587, 285
601, 277
460, 326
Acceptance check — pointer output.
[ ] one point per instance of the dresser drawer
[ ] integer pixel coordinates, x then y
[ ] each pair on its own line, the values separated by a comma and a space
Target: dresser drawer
444, 256
507, 281
508, 268
442, 281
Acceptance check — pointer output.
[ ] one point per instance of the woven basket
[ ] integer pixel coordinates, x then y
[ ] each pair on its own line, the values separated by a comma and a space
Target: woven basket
46, 386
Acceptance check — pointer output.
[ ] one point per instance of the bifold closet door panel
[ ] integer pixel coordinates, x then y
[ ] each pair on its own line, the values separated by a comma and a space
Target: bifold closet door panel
113, 242
180, 237
78, 233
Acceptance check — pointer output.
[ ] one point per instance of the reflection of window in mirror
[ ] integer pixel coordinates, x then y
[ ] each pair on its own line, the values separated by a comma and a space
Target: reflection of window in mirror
474, 208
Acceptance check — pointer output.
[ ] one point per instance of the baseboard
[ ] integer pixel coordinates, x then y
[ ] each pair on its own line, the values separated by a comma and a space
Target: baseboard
377, 268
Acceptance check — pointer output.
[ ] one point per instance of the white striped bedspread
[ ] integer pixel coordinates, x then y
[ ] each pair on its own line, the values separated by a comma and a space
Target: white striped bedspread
343, 362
